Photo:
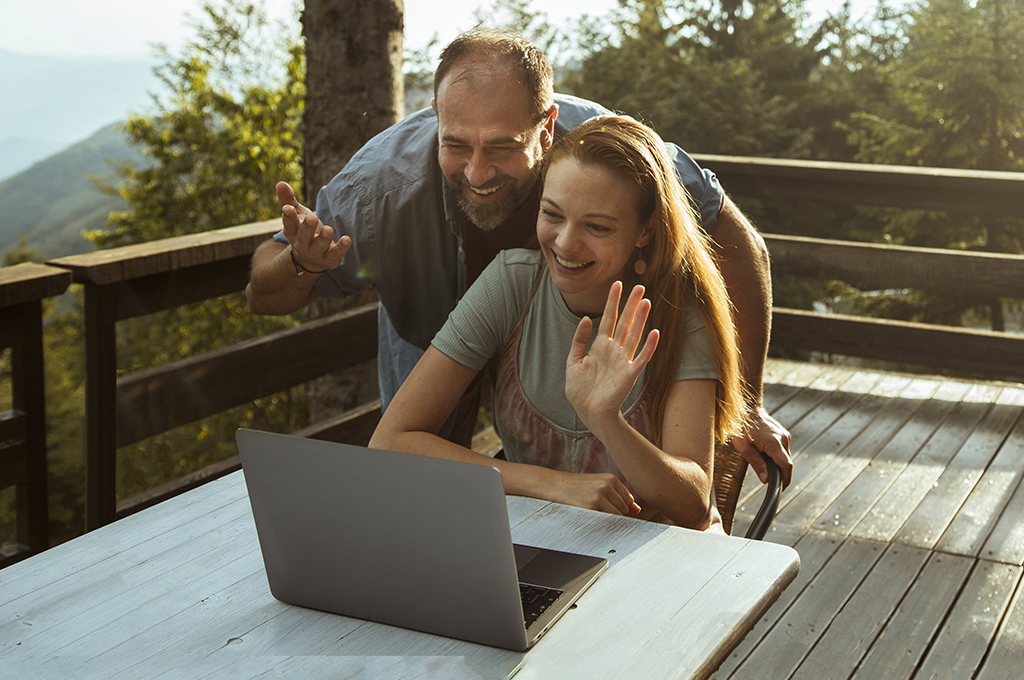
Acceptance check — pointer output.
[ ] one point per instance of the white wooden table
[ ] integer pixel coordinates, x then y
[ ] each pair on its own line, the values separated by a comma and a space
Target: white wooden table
179, 591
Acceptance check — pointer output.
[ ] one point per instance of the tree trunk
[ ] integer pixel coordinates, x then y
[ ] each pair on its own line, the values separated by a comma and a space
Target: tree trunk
354, 90
353, 80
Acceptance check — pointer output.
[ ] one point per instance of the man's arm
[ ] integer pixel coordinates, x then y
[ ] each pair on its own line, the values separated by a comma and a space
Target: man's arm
282, 277
743, 258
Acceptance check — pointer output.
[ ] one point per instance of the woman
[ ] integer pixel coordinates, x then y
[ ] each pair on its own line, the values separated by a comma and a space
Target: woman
600, 426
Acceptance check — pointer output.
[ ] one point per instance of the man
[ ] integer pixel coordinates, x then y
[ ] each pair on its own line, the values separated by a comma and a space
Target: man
423, 207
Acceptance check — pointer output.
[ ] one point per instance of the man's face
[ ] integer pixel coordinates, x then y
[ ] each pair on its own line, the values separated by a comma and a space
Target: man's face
490, 146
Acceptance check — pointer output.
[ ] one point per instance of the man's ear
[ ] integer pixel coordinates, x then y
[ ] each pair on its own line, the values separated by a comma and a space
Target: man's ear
433, 104
547, 132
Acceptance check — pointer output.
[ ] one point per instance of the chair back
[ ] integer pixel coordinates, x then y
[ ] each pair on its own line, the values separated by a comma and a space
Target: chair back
730, 469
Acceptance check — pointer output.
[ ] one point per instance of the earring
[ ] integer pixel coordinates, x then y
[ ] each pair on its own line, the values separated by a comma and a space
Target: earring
639, 266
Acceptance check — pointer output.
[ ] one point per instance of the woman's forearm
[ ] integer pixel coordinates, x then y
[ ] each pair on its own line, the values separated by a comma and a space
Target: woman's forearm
676, 486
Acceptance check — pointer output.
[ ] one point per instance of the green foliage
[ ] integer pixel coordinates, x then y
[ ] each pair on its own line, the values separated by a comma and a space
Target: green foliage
217, 145
22, 252
713, 76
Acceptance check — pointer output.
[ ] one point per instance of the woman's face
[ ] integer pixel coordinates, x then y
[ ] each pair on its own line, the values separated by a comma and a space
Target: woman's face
588, 227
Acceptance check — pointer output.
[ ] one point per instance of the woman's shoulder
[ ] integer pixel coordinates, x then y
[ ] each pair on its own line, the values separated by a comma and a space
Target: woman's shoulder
518, 267
521, 257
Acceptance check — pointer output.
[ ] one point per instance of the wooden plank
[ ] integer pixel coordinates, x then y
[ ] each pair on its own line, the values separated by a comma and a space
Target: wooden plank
117, 619
179, 485
725, 610
875, 266
825, 404
104, 267
1006, 655
164, 397
850, 507
989, 501
30, 282
979, 192
100, 410
780, 388
906, 636
1006, 542
888, 515
13, 466
815, 550
936, 347
853, 631
784, 648
964, 639
663, 598
150, 532
938, 508
863, 409
156, 292
355, 426
84, 620
850, 450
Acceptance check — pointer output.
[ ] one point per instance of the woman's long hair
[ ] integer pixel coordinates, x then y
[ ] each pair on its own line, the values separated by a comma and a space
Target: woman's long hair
680, 267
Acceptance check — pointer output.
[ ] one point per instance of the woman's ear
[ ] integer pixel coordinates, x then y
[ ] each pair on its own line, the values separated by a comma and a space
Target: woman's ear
647, 234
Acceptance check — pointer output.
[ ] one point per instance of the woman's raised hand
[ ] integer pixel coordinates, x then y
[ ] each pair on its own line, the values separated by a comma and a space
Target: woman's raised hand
597, 382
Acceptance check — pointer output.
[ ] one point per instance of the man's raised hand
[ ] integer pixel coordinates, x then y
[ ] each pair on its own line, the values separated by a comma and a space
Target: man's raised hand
311, 240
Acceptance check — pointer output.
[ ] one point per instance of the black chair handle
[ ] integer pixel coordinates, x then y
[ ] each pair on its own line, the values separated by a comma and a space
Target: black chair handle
770, 504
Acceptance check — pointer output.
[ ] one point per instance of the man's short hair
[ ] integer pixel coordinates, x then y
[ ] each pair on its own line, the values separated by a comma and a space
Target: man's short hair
492, 49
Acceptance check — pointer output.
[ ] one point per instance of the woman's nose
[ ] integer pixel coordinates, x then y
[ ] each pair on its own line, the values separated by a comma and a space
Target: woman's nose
567, 238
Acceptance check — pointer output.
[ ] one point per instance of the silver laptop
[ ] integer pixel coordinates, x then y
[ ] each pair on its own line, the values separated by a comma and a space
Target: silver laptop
405, 540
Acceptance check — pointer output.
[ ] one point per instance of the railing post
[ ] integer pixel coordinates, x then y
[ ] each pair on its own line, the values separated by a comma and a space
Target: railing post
23, 428
29, 397
100, 407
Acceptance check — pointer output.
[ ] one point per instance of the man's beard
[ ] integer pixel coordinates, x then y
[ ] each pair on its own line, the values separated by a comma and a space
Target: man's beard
492, 215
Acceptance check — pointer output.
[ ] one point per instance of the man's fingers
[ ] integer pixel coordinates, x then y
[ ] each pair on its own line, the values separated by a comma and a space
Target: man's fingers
777, 452
285, 195
752, 456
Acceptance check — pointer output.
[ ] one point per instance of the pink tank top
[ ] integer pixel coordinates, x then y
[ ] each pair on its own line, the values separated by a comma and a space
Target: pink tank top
527, 436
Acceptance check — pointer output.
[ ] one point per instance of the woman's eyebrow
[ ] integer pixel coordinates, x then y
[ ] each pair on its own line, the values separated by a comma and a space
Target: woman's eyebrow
614, 218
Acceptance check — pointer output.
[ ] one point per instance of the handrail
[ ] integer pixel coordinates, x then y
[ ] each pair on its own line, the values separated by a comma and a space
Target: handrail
975, 192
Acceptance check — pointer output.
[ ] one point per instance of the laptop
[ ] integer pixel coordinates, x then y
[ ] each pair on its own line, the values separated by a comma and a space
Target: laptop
405, 540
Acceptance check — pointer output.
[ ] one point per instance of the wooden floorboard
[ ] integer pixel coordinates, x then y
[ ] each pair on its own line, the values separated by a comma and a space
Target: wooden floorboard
907, 635
905, 507
990, 499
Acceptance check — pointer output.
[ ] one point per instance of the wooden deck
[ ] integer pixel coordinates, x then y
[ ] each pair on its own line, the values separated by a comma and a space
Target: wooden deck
905, 509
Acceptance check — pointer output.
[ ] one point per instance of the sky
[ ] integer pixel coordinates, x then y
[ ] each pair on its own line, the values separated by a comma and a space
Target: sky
127, 28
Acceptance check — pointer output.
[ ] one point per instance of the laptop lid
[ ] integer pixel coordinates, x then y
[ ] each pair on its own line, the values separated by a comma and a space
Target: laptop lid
410, 541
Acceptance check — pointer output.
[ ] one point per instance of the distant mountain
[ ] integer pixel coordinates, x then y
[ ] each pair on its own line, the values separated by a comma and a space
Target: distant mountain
57, 101
53, 201
18, 153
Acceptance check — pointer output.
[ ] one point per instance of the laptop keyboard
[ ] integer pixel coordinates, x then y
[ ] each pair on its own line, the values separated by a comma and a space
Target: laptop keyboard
536, 600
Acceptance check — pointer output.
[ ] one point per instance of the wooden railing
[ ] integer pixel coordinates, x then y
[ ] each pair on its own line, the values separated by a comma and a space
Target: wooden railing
135, 280
878, 267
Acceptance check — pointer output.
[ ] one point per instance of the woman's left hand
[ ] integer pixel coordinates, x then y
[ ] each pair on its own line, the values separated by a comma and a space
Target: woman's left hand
597, 382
